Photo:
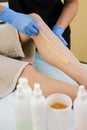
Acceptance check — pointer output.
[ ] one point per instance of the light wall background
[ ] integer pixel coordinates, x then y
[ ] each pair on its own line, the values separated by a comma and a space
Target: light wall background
79, 32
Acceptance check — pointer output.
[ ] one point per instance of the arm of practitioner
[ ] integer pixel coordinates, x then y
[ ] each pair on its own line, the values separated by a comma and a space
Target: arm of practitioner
68, 13
22, 22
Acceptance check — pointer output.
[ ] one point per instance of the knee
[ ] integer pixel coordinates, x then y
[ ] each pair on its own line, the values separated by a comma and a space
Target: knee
35, 15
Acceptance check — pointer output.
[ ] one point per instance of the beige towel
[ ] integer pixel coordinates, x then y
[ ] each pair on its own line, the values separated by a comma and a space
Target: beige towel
10, 69
9, 42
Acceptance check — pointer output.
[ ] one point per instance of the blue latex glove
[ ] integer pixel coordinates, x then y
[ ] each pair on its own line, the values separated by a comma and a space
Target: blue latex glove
59, 31
22, 22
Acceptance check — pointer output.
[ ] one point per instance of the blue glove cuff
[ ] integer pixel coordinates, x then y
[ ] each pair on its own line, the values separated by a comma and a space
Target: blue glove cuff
58, 29
6, 15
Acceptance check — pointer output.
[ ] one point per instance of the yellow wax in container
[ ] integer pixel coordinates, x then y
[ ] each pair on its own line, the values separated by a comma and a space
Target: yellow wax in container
58, 106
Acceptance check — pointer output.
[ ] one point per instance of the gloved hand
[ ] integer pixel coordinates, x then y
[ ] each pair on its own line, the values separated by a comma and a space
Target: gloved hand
22, 22
59, 31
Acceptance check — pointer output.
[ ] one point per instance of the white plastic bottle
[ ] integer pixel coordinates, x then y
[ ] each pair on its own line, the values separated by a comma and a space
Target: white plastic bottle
80, 110
26, 88
22, 114
39, 109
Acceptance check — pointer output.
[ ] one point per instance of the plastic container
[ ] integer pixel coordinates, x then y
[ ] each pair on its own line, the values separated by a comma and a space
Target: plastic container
59, 118
80, 110
21, 110
26, 88
39, 109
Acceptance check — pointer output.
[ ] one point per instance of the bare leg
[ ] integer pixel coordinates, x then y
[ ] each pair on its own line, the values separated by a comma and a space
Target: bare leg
48, 85
56, 54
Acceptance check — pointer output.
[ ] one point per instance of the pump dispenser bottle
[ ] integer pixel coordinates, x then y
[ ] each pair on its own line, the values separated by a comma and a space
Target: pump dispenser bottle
80, 110
26, 88
21, 110
39, 109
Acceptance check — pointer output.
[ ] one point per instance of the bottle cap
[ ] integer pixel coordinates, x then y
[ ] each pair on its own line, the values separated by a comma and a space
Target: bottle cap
37, 91
23, 82
19, 92
81, 93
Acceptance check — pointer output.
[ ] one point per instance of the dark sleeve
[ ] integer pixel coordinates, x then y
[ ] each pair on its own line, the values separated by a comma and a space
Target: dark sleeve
16, 5
12, 5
